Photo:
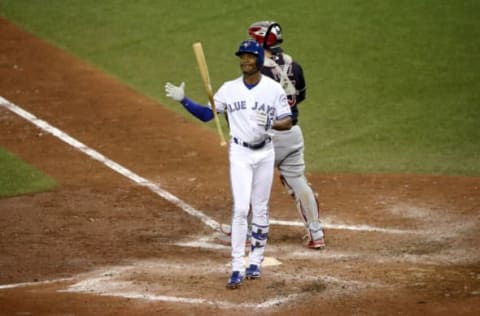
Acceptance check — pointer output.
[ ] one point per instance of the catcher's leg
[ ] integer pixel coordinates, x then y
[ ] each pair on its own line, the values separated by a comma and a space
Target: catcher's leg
308, 208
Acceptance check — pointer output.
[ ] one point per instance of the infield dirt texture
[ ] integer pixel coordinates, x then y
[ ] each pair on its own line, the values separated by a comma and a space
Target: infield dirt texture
103, 244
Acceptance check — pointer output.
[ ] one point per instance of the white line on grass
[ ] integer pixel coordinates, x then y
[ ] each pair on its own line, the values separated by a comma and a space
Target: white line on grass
155, 187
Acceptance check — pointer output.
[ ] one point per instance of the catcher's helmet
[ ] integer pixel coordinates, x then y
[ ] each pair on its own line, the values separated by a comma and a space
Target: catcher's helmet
267, 33
252, 47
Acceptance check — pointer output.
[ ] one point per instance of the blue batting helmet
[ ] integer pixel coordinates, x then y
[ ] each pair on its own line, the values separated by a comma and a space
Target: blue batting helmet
252, 47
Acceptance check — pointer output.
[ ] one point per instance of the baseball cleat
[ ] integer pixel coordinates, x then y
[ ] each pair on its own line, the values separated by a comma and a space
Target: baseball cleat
235, 280
253, 272
315, 244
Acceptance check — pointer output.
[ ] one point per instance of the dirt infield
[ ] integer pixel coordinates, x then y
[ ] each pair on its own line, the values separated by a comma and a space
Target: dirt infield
106, 244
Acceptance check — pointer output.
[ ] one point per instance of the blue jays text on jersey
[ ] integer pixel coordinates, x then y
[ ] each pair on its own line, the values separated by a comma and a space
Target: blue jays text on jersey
242, 105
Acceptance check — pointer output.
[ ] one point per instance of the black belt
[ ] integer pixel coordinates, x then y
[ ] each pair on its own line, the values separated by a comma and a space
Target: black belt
252, 146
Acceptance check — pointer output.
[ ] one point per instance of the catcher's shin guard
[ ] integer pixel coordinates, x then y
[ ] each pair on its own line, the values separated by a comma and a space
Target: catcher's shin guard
306, 202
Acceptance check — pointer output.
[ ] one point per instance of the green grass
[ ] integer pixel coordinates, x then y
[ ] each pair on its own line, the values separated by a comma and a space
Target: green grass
393, 86
17, 177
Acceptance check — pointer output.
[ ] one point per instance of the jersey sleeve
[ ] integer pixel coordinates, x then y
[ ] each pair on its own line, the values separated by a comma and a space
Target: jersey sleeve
283, 108
220, 100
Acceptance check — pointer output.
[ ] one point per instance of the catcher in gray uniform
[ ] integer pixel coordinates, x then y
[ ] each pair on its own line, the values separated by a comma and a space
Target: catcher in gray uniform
289, 145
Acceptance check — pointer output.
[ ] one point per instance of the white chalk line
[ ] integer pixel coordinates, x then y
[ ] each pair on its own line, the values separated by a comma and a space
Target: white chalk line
447, 257
155, 187
149, 297
327, 225
37, 283
196, 301
103, 282
116, 281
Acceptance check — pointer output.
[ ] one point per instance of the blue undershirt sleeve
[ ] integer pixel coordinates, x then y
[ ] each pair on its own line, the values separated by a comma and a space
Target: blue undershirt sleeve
201, 112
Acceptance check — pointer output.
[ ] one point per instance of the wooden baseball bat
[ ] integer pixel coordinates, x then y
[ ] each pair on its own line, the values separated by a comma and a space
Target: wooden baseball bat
202, 66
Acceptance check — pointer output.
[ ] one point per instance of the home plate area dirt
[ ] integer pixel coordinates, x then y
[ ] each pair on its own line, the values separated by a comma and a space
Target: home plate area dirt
133, 232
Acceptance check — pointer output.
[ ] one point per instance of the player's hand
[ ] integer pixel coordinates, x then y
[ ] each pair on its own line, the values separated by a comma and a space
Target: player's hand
265, 119
174, 92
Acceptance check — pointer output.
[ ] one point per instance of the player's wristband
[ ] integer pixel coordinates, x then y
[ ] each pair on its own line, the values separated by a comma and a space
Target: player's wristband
201, 112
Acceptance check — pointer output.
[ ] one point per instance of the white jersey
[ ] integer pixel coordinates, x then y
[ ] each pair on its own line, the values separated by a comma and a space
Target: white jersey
242, 104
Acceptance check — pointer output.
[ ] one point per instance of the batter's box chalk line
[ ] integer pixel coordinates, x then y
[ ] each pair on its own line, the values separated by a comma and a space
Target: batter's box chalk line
120, 281
117, 282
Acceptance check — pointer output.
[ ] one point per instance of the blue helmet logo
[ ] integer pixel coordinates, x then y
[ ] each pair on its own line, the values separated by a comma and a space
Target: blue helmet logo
252, 47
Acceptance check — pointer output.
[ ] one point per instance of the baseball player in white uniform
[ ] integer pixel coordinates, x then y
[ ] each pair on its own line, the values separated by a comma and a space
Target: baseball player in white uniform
289, 144
255, 105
